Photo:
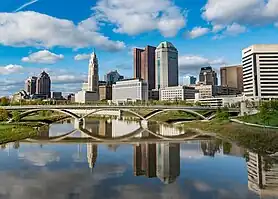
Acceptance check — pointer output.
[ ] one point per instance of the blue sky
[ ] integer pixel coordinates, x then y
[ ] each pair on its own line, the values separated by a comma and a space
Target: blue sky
58, 35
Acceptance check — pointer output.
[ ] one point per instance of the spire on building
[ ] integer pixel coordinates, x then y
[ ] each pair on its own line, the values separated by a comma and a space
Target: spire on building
93, 73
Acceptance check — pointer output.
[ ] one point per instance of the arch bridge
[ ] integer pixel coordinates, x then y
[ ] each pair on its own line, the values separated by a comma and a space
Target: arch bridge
156, 110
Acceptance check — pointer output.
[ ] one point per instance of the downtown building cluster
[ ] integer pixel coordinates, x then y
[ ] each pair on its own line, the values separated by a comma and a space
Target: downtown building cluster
156, 77
37, 88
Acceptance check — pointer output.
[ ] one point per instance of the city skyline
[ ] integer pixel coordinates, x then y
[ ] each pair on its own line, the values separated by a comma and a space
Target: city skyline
194, 29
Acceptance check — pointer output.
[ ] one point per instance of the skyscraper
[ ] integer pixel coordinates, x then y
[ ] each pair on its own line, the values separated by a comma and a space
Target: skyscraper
232, 76
112, 77
93, 73
144, 65
189, 80
260, 71
167, 71
43, 85
208, 76
30, 85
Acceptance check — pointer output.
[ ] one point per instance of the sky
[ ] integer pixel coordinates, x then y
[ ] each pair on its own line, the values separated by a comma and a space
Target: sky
58, 36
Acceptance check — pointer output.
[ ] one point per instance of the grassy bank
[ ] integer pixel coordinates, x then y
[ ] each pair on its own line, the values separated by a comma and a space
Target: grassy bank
15, 132
271, 120
44, 119
257, 139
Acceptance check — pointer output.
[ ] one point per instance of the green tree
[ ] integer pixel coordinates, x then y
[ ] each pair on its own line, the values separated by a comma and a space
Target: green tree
4, 101
4, 115
16, 116
222, 114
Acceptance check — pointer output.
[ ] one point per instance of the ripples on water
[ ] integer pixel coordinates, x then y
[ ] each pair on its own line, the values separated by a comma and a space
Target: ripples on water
75, 168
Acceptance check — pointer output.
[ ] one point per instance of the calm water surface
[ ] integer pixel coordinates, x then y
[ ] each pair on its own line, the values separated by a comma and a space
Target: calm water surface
69, 166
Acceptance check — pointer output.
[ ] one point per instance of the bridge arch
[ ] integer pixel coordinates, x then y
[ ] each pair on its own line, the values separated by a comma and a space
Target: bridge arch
122, 110
26, 113
156, 112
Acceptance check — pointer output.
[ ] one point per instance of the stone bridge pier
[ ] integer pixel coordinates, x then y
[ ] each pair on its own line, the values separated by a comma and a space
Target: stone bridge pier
144, 124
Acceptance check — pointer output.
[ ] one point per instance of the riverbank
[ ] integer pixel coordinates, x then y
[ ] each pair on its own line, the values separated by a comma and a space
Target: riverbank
16, 132
268, 120
259, 140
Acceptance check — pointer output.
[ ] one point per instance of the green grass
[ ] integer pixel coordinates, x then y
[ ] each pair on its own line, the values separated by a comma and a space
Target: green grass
11, 132
260, 140
257, 119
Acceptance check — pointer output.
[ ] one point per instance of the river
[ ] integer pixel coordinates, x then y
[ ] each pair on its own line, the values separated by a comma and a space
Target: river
64, 163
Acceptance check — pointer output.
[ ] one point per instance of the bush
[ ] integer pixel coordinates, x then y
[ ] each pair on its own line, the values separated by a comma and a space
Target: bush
4, 115
16, 116
4, 101
222, 114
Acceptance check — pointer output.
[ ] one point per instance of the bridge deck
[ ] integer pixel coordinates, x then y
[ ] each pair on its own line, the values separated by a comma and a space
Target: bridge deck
44, 107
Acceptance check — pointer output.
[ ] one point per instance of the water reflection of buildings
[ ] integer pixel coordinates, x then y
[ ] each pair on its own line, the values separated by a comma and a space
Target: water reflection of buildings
262, 175
209, 148
157, 160
92, 152
168, 162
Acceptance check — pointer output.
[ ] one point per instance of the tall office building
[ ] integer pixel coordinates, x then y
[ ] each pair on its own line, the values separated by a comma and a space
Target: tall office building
232, 76
93, 73
260, 71
144, 65
43, 84
189, 80
30, 85
166, 65
112, 77
208, 76
90, 91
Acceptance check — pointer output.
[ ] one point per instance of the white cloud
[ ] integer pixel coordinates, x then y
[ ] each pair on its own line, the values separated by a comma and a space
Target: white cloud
10, 69
235, 29
40, 30
217, 28
80, 57
25, 5
247, 12
134, 17
67, 79
218, 37
198, 32
40, 158
43, 57
191, 64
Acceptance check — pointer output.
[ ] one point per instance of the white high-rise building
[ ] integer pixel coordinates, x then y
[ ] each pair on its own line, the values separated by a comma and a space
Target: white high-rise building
260, 71
93, 73
89, 91
166, 64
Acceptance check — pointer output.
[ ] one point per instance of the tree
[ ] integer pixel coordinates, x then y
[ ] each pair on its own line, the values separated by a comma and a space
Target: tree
16, 116
4, 101
4, 115
222, 114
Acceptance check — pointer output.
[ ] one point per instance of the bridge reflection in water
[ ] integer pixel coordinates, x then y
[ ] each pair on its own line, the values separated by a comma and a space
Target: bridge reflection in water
162, 160
107, 130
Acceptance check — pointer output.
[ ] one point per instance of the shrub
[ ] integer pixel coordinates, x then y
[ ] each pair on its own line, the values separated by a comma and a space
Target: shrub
4, 115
